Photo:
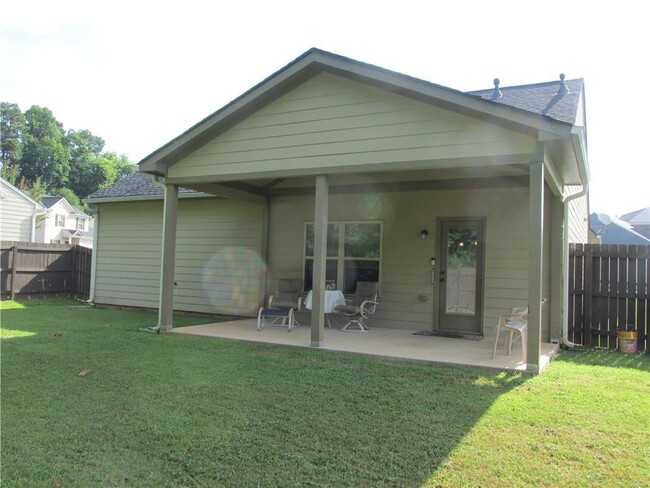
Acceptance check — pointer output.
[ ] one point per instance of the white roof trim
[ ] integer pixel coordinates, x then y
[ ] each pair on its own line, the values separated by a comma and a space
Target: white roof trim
22, 194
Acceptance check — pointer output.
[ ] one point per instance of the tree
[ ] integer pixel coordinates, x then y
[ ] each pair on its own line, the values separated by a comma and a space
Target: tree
12, 125
35, 189
86, 176
70, 196
116, 166
45, 153
11, 173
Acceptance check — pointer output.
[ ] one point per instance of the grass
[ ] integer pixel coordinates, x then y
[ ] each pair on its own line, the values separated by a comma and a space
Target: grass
170, 410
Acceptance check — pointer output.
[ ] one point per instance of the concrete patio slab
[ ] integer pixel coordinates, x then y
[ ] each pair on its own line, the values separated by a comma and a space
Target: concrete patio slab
394, 343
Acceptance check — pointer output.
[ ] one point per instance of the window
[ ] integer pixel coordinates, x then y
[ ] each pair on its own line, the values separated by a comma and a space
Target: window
353, 254
59, 220
80, 223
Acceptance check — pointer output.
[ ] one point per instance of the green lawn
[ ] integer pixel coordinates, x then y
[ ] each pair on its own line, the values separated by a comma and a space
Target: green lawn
171, 410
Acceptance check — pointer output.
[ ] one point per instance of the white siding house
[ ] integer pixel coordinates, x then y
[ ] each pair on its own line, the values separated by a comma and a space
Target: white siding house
19, 214
64, 224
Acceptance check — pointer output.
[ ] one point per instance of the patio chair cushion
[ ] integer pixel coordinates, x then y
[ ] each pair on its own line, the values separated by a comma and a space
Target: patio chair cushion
282, 301
348, 308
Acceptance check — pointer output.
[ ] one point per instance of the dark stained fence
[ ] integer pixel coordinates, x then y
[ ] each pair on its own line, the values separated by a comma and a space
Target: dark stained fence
30, 270
608, 291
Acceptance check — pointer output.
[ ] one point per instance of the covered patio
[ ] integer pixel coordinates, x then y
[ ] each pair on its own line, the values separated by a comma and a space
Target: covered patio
336, 171
383, 342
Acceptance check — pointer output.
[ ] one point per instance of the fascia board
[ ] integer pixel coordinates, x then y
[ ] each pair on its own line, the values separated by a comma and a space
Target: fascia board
141, 198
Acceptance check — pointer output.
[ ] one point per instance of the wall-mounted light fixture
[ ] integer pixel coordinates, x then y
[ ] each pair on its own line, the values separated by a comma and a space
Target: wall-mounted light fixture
424, 234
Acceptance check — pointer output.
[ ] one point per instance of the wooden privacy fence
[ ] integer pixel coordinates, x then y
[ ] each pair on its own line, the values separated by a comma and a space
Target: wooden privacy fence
40, 270
608, 291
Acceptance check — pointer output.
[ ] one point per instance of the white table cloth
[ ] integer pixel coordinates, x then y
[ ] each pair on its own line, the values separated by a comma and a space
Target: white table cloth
332, 299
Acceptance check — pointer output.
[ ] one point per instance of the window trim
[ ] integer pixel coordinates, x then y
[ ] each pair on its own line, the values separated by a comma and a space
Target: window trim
341, 258
82, 221
59, 218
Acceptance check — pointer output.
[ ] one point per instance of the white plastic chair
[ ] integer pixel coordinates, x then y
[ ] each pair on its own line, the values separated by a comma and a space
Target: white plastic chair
515, 321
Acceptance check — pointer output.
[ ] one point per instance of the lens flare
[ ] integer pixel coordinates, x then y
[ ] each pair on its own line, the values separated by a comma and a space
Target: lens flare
231, 280
370, 206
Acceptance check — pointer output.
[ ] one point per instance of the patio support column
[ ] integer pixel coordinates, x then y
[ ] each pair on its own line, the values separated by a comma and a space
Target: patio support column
166, 302
557, 267
320, 261
536, 223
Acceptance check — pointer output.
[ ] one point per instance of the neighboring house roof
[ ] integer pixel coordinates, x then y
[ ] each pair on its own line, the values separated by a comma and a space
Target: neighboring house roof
641, 216
49, 201
77, 233
639, 220
615, 231
21, 193
134, 185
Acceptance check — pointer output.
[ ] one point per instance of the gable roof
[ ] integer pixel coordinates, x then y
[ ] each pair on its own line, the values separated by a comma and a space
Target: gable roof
641, 216
511, 111
48, 200
615, 231
136, 185
21, 193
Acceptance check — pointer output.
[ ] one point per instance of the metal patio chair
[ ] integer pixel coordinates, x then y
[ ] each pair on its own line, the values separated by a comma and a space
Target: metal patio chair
360, 307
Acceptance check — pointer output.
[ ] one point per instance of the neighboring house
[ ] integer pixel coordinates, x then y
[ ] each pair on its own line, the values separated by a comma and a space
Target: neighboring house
340, 170
19, 214
639, 220
615, 231
64, 224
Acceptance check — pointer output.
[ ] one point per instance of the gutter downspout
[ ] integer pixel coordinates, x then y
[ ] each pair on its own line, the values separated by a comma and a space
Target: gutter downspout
577, 137
93, 210
32, 234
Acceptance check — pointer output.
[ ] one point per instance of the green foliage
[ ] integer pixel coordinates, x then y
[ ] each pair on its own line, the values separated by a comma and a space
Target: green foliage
11, 173
12, 125
463, 248
173, 410
36, 189
45, 153
115, 167
85, 174
34, 145
71, 197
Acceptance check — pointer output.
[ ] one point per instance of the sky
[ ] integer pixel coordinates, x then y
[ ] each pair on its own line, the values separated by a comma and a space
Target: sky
138, 73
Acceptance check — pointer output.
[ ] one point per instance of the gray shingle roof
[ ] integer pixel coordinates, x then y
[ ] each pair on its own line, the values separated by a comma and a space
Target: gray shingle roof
48, 201
541, 99
134, 185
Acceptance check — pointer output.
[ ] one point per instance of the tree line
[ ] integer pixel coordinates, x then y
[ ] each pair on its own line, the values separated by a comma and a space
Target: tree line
41, 158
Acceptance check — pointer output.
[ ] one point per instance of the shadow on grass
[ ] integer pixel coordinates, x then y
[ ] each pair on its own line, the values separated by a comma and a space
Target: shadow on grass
606, 357
166, 410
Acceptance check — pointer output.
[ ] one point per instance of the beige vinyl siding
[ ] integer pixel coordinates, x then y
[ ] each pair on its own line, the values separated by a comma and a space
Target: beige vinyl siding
15, 216
334, 123
217, 255
405, 260
579, 220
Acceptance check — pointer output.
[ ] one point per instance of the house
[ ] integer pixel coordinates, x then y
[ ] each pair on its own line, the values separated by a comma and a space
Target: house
65, 224
639, 220
610, 230
19, 214
333, 169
